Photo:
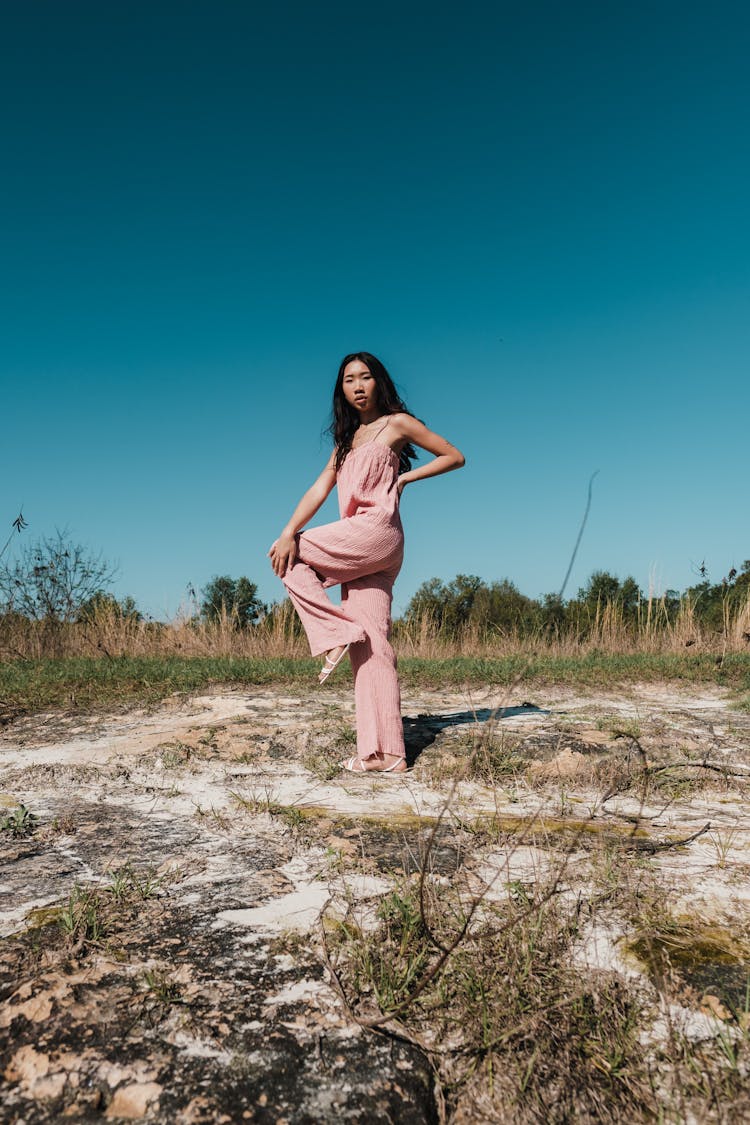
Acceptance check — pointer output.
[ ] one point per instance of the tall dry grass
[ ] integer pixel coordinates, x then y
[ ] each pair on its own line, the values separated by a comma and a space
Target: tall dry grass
652, 632
109, 633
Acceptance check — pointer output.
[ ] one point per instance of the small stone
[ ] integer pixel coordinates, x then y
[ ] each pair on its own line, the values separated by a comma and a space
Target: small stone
37, 1008
712, 1006
27, 1065
50, 1087
596, 737
133, 1101
565, 764
342, 845
195, 1110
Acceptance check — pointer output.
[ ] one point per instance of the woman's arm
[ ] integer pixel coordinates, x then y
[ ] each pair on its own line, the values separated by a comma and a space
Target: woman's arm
446, 458
284, 550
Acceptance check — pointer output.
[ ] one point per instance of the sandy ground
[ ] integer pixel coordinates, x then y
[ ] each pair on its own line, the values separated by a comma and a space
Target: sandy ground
233, 804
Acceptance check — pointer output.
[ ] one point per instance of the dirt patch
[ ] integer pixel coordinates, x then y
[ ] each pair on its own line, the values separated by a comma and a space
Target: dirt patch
163, 900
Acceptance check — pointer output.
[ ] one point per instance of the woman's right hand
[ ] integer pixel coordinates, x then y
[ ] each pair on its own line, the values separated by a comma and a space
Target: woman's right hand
283, 553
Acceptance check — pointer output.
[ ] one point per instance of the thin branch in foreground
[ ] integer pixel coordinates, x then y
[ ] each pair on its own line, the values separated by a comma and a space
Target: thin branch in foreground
18, 525
436, 968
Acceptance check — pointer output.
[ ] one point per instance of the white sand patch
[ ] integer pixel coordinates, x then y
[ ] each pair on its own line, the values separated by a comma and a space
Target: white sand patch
199, 1048
521, 863
297, 911
300, 990
123, 736
362, 887
15, 919
695, 1026
602, 947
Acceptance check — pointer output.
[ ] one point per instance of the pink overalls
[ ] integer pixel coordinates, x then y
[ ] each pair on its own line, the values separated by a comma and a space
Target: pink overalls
363, 551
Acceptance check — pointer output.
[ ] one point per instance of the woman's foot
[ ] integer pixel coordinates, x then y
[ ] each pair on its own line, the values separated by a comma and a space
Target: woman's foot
382, 763
333, 659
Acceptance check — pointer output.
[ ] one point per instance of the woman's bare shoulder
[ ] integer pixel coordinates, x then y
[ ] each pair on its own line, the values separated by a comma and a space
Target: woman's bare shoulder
402, 422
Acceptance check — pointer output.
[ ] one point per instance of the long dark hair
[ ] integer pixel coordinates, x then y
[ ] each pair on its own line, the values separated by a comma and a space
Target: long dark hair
345, 419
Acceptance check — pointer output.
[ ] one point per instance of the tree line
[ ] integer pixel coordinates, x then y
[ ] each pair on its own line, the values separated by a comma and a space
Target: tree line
468, 602
58, 581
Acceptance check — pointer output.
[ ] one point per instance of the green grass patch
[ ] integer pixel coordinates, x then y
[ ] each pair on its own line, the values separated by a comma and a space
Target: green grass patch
34, 685
77, 683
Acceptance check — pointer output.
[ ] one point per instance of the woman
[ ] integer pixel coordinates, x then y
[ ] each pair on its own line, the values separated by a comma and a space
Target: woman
374, 438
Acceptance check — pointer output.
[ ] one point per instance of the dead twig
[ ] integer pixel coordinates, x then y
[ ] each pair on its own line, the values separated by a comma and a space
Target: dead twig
716, 767
437, 967
665, 845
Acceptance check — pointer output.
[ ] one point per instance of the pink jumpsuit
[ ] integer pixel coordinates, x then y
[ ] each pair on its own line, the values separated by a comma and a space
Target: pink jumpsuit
363, 551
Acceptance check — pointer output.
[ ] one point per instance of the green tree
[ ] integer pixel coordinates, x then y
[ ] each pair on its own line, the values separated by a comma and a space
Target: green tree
501, 607
448, 604
672, 601
236, 598
742, 580
713, 602
429, 598
604, 588
124, 608
469, 601
553, 614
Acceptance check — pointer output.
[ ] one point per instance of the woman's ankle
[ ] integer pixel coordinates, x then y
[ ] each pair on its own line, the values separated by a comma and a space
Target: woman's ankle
391, 762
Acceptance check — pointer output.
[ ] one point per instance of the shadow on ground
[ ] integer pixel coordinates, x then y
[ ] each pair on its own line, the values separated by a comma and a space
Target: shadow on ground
421, 731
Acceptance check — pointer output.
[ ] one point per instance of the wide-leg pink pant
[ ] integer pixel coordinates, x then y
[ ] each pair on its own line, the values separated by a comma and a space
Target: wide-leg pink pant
365, 559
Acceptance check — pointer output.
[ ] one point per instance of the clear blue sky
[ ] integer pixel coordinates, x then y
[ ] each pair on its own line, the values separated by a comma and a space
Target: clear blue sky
535, 214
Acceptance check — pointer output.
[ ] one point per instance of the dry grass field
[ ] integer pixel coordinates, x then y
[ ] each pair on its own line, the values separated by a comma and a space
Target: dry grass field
108, 633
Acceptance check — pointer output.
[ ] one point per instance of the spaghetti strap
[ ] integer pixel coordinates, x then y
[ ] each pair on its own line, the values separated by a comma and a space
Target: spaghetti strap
374, 437
379, 432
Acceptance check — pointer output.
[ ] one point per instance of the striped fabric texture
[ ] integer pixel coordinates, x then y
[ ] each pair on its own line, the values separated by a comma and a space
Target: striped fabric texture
362, 552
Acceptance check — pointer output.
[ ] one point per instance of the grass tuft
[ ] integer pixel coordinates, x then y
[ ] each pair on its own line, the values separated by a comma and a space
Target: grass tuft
19, 822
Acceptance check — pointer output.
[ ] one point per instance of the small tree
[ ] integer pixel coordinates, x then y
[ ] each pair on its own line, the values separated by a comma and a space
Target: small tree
448, 605
553, 614
713, 602
105, 603
501, 606
236, 598
604, 589
52, 579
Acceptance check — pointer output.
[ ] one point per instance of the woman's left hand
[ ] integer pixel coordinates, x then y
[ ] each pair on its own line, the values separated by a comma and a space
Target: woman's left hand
401, 484
283, 553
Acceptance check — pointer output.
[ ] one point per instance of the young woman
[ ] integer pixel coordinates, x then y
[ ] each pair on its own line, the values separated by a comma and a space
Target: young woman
374, 438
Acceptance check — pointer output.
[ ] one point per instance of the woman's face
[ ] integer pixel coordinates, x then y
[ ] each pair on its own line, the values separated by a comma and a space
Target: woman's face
359, 387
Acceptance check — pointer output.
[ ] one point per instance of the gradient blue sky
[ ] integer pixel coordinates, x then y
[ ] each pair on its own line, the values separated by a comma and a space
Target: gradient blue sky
537, 215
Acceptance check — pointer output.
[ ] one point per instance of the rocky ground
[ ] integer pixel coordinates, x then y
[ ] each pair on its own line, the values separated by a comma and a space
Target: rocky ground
169, 877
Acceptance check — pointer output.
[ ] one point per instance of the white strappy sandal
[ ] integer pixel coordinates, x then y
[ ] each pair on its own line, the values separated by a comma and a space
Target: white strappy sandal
330, 666
350, 765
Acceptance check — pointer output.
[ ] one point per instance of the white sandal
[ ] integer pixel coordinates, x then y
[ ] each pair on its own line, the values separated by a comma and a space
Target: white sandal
331, 665
350, 766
